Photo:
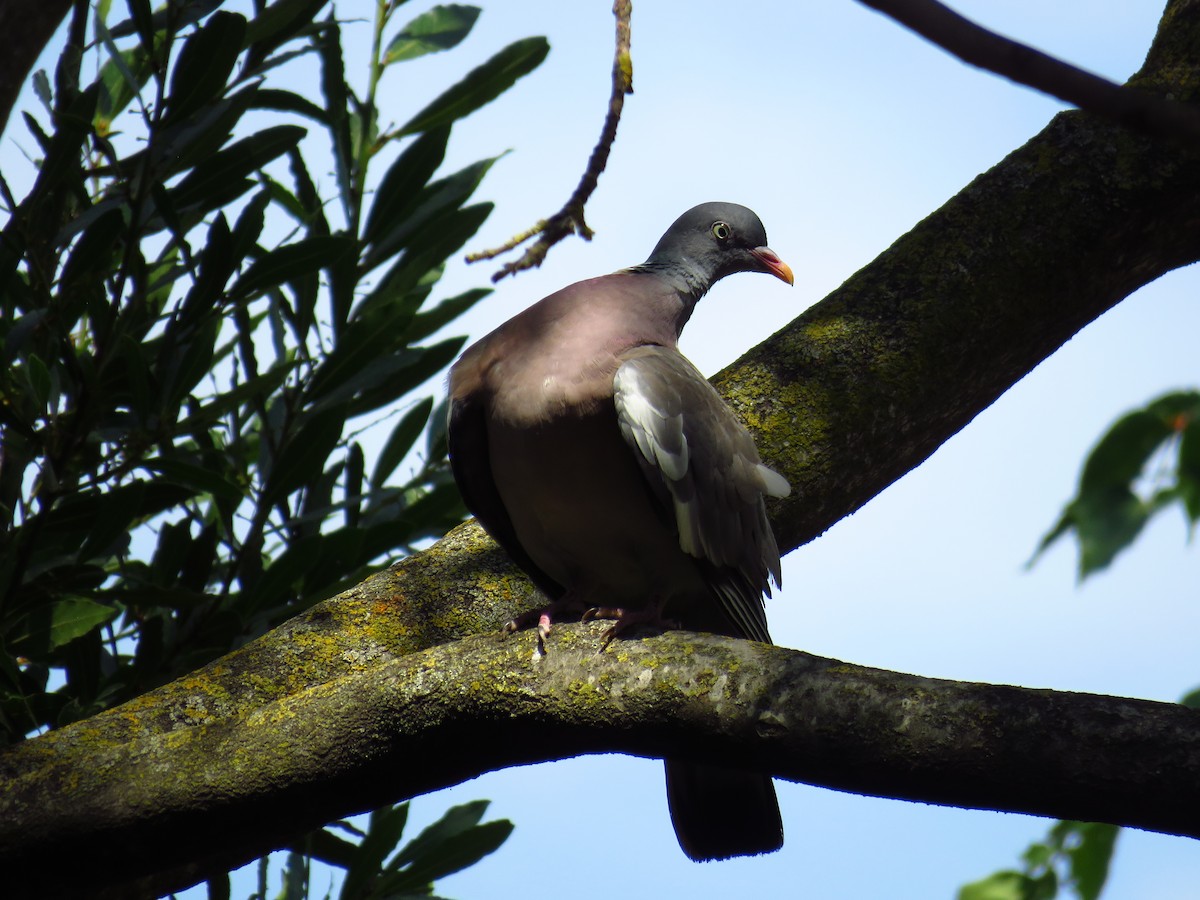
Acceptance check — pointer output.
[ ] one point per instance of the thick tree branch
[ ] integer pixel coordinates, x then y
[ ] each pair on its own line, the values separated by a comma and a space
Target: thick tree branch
848, 398
413, 725
977, 46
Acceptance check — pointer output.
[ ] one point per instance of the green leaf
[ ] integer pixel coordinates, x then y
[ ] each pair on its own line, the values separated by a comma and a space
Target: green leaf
40, 382
405, 372
1191, 699
90, 258
1108, 514
401, 184
204, 64
119, 83
385, 830
1189, 469
1176, 407
1091, 856
333, 87
111, 517
353, 484
143, 22
428, 251
304, 456
180, 12
426, 323
196, 478
285, 574
431, 205
291, 261
51, 625
365, 339
277, 23
287, 101
41, 87
191, 359
440, 28
1106, 522
455, 820
196, 140
1006, 885
482, 85
327, 847
1122, 453
402, 438
249, 226
62, 157
452, 855
209, 185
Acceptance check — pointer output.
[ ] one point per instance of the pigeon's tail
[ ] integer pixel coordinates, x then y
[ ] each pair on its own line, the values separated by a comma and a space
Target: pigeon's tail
720, 812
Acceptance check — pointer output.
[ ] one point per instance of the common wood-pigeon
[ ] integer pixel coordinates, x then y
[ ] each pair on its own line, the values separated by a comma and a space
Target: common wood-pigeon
620, 482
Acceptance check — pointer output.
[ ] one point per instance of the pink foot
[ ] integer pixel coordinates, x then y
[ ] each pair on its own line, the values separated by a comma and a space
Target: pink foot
544, 619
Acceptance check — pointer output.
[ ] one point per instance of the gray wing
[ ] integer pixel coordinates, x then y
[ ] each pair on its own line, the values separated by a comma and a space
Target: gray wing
703, 466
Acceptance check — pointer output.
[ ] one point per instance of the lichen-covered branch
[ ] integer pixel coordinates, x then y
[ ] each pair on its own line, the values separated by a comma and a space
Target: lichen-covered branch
414, 723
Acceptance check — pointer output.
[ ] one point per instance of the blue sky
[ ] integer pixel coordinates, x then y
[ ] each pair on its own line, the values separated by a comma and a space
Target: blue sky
841, 130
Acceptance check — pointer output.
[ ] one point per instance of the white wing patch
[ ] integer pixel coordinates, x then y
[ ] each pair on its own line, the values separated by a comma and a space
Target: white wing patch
657, 433
773, 484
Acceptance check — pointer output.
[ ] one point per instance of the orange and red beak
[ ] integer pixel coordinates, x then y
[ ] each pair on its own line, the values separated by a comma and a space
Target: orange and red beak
773, 264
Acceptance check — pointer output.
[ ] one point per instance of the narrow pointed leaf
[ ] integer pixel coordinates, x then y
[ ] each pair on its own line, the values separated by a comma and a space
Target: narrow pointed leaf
430, 205
277, 23
401, 185
1122, 453
456, 820
205, 64
482, 85
386, 829
430, 321
232, 165
440, 28
291, 261
1091, 856
402, 438
57, 623
451, 855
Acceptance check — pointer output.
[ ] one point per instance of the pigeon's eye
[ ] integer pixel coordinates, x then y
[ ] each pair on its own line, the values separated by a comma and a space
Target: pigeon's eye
721, 231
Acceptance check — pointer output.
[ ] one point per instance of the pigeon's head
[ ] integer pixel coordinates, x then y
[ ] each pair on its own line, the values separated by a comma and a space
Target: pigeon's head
713, 240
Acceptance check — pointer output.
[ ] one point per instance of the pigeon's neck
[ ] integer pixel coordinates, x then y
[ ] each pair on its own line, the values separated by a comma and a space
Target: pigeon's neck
688, 280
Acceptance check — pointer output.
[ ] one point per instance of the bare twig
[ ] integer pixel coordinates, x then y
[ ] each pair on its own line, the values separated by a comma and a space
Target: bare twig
977, 46
569, 219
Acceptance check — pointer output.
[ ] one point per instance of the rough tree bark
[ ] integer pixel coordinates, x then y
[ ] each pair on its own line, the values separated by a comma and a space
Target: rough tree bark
330, 713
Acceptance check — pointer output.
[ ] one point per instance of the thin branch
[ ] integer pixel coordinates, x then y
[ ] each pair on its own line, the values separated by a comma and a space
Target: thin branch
569, 219
977, 46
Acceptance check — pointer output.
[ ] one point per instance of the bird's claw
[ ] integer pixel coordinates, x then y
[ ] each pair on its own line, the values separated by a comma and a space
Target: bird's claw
542, 619
626, 619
